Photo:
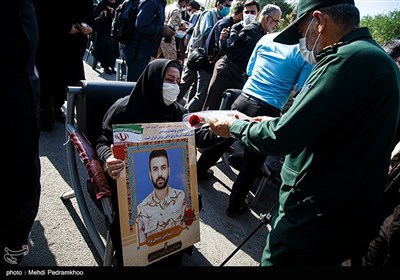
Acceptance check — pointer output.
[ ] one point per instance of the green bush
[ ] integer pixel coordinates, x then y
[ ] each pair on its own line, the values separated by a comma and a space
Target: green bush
383, 27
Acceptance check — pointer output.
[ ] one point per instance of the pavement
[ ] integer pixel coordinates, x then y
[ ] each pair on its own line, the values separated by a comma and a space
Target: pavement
59, 238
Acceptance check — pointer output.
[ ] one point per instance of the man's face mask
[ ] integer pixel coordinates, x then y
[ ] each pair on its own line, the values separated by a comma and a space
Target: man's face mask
225, 11
307, 54
170, 93
249, 18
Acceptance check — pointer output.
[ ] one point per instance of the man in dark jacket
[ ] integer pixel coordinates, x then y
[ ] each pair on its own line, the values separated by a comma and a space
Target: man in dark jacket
150, 28
20, 115
230, 70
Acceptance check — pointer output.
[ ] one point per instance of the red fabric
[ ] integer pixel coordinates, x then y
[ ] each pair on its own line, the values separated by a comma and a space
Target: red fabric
91, 161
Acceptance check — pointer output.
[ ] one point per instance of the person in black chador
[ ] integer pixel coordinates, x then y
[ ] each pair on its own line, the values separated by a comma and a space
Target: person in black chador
105, 48
152, 100
63, 39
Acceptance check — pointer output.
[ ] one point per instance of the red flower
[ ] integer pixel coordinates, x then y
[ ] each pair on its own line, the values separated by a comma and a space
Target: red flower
195, 120
189, 217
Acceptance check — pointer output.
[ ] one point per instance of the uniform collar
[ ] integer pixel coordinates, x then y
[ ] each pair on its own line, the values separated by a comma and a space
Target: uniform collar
355, 35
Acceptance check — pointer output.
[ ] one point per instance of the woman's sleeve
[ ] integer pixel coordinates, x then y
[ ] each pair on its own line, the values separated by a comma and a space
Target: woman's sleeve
205, 137
103, 145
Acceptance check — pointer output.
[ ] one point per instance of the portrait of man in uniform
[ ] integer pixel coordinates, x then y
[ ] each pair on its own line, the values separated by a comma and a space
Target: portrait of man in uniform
164, 207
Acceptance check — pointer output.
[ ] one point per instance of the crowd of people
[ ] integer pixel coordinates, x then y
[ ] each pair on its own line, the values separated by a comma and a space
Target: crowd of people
331, 195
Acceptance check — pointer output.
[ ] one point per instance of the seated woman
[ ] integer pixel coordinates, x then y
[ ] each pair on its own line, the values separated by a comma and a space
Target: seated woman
152, 100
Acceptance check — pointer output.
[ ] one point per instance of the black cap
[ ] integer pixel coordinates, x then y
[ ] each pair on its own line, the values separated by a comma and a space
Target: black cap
290, 34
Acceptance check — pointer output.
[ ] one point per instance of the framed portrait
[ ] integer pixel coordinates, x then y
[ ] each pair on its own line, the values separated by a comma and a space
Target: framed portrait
158, 197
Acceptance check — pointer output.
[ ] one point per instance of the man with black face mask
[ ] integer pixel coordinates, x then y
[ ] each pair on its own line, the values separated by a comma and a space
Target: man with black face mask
337, 137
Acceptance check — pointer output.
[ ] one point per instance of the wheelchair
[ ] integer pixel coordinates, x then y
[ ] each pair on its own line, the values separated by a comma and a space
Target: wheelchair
86, 107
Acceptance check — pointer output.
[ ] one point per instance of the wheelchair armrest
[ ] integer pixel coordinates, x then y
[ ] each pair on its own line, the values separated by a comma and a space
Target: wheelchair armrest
228, 97
91, 161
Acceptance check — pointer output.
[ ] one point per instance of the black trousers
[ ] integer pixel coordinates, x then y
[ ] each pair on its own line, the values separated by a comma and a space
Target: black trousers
20, 197
251, 163
226, 75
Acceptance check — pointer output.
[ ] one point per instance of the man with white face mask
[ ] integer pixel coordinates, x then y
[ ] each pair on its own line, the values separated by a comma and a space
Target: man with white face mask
250, 13
308, 55
230, 69
337, 137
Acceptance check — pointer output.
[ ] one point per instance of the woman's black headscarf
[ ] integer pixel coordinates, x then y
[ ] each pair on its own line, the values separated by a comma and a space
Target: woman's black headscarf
147, 97
145, 104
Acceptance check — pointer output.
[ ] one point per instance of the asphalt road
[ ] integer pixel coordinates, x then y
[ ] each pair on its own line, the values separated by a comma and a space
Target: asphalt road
59, 238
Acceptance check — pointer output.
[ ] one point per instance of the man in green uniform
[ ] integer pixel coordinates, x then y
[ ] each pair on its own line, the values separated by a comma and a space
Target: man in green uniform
337, 137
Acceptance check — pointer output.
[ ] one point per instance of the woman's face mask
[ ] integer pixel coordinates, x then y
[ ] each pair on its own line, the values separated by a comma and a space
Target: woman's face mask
225, 11
249, 18
170, 93
308, 55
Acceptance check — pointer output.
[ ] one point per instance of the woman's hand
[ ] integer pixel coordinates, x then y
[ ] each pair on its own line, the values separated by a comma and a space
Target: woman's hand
114, 167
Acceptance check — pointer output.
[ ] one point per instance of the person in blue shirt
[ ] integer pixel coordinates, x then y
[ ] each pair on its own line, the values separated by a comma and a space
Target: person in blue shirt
274, 70
230, 69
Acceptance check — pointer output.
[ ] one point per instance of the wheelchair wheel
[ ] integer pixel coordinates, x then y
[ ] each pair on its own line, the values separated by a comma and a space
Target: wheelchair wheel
231, 160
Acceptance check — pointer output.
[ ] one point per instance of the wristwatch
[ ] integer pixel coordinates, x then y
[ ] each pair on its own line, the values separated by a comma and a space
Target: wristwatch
230, 133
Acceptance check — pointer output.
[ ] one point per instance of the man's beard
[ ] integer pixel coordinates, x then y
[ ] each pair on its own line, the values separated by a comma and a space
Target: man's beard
158, 185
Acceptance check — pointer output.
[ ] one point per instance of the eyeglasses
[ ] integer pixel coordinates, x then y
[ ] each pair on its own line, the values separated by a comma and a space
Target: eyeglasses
250, 12
277, 21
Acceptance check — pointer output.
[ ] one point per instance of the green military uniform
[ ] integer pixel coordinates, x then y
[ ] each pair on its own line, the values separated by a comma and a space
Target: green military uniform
337, 138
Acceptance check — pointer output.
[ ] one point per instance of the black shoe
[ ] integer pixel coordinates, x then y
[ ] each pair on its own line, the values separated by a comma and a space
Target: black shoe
59, 115
205, 175
234, 212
